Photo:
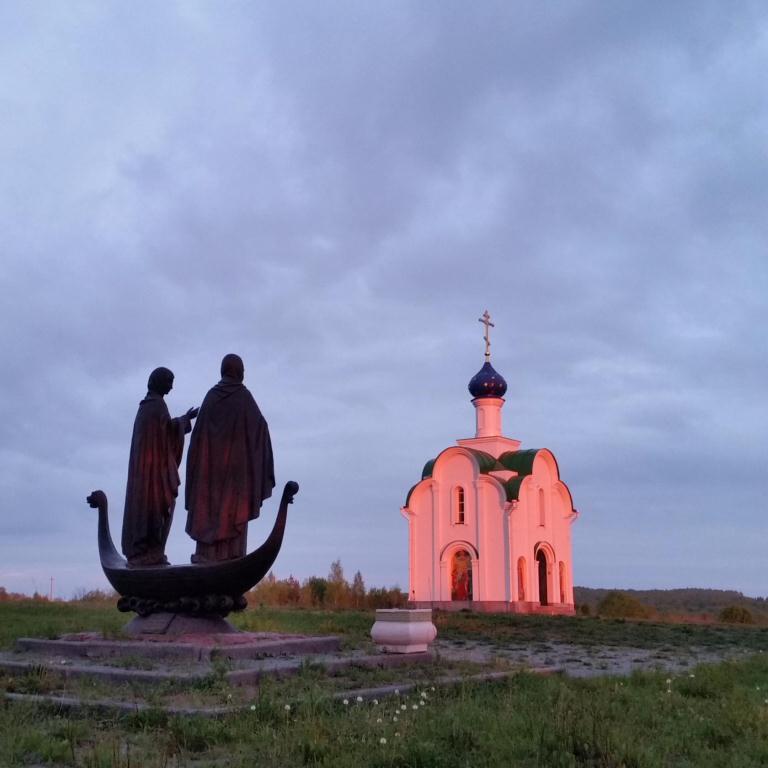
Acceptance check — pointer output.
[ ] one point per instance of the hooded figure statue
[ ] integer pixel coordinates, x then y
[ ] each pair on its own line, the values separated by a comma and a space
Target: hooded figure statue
230, 470
153, 475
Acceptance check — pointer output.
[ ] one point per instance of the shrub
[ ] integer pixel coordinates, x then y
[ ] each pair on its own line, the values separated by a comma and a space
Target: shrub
318, 589
617, 605
736, 614
381, 597
95, 596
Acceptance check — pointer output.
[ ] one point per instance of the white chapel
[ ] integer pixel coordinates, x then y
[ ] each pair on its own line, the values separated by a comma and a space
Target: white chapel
489, 523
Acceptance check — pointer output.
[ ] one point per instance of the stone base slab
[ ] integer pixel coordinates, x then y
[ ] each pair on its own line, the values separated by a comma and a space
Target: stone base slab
189, 647
176, 624
248, 672
413, 648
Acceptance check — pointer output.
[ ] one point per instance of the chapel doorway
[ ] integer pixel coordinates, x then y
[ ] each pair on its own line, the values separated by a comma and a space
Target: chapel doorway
541, 561
461, 576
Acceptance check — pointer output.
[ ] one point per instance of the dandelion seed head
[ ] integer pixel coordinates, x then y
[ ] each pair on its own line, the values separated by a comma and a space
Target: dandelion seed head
382, 740
345, 702
253, 707
287, 707
359, 699
403, 707
375, 702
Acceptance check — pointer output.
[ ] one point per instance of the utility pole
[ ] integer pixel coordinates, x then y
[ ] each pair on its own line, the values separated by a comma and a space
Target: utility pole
50, 592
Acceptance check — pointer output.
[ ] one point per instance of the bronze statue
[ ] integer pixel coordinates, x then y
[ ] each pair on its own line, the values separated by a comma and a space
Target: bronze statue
230, 468
153, 475
229, 473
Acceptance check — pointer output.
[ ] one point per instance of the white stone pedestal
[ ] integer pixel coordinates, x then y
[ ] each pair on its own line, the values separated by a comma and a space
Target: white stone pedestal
402, 630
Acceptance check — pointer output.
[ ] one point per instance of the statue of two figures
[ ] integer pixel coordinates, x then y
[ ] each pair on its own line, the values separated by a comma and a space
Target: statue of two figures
230, 470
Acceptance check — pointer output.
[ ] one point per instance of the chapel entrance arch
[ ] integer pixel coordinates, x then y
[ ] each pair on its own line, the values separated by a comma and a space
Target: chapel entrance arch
461, 575
541, 563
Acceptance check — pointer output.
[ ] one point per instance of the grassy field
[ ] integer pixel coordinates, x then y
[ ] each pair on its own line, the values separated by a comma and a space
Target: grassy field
503, 628
709, 716
42, 619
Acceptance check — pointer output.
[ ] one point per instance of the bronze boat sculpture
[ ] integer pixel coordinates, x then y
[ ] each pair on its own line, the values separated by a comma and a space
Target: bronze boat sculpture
200, 589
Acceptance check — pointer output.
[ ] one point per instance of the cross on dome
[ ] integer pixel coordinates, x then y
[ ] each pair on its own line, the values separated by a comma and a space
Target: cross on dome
487, 382
486, 321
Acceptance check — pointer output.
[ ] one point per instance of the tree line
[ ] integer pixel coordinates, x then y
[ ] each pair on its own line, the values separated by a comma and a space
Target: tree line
333, 591
691, 601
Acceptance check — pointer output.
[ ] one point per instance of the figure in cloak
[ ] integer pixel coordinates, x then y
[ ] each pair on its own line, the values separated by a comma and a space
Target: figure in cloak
153, 473
230, 470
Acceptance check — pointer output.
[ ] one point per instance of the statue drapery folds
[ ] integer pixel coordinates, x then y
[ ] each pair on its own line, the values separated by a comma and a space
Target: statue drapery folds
157, 444
230, 469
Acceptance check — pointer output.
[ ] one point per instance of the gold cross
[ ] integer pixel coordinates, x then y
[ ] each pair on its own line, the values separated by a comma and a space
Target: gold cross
486, 321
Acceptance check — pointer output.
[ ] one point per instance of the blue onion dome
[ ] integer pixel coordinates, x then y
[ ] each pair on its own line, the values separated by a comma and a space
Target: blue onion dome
487, 383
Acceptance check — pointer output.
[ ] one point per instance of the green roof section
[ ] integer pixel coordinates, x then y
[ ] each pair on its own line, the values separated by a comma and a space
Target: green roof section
485, 462
512, 487
519, 461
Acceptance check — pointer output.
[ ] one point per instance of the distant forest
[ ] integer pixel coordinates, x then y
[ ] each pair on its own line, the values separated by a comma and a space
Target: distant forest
336, 592
701, 602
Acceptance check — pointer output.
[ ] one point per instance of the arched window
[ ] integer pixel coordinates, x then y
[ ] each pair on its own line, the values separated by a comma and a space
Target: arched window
542, 516
458, 506
521, 580
562, 581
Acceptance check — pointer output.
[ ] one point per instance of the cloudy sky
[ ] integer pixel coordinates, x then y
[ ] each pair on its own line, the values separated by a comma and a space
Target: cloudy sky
336, 191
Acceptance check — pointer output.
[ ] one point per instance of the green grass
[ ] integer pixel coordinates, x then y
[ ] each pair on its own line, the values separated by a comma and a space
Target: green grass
719, 717
353, 626
711, 715
41, 619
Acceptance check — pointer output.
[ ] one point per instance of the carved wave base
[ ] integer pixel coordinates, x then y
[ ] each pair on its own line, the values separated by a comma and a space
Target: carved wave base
205, 605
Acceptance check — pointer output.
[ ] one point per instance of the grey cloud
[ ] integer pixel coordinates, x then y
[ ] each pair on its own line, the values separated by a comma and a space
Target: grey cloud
337, 192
